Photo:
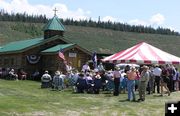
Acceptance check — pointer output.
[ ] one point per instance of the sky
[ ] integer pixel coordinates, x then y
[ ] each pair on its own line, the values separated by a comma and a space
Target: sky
154, 13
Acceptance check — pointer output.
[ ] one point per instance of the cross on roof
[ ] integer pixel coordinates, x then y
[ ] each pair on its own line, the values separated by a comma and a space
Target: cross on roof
55, 10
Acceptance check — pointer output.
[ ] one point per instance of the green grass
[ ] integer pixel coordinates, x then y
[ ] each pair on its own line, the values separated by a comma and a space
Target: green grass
26, 98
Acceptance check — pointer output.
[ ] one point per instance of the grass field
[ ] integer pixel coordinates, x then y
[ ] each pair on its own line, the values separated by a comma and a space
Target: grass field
25, 98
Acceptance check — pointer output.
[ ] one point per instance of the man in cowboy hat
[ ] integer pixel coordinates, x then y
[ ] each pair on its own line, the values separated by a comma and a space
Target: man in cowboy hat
144, 78
46, 79
116, 76
13, 75
58, 81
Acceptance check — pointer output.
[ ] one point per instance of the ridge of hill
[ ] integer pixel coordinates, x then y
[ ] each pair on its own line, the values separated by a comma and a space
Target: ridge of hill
94, 39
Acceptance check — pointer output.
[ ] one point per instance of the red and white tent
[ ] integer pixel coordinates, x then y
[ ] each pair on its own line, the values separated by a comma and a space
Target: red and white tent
143, 53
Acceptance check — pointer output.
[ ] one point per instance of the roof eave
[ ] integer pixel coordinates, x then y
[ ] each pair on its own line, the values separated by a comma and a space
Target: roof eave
33, 46
65, 49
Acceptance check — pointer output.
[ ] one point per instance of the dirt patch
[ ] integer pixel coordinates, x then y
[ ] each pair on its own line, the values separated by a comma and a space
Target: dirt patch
39, 113
72, 113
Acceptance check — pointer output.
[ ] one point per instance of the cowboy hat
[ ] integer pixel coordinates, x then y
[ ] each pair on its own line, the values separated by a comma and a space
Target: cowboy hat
57, 73
145, 67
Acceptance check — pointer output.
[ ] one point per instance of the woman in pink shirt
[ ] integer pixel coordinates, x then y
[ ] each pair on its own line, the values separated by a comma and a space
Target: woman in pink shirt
131, 83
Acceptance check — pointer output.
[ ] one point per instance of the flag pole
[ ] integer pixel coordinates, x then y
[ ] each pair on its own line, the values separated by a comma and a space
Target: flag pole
94, 59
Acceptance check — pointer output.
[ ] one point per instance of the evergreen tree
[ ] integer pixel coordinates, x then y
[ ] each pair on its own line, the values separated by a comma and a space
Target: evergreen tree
24, 17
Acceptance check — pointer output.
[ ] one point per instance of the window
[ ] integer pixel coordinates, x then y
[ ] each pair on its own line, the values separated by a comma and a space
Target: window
6, 61
12, 61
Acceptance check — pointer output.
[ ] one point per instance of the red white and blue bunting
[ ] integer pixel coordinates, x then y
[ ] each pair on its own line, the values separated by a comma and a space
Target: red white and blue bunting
33, 59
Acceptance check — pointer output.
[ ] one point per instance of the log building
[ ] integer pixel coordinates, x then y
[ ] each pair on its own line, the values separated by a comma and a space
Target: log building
42, 53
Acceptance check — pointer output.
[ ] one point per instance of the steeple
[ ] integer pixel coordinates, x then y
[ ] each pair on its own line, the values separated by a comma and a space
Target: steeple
53, 27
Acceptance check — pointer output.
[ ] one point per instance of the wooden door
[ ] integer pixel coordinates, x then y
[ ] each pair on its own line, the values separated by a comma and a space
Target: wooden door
73, 58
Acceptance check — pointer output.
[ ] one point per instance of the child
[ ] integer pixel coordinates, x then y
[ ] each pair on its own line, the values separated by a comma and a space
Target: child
123, 82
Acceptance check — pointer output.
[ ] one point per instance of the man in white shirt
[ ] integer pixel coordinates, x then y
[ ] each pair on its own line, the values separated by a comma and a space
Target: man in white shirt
13, 75
101, 67
86, 67
45, 79
157, 73
69, 67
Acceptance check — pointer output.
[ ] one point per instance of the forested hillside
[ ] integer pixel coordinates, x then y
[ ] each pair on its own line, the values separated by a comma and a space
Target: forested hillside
13, 31
118, 26
107, 41
94, 39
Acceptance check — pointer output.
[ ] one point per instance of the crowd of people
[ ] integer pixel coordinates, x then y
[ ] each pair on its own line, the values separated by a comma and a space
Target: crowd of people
162, 79
11, 74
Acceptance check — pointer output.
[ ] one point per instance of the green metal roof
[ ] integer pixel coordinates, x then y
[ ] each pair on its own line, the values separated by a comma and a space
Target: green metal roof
54, 24
20, 45
57, 48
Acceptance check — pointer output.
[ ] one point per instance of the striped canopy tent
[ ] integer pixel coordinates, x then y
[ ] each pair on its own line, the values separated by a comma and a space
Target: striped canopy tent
142, 53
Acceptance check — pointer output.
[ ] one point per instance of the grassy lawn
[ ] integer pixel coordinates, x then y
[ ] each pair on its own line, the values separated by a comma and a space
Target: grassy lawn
25, 98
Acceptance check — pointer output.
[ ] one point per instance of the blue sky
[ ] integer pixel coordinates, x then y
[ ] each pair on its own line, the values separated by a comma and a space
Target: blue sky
164, 13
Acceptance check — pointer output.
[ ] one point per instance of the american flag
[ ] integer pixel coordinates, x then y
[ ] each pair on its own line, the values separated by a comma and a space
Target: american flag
61, 55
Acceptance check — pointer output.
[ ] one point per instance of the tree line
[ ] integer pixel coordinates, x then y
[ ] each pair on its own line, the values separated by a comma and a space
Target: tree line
118, 26
22, 17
